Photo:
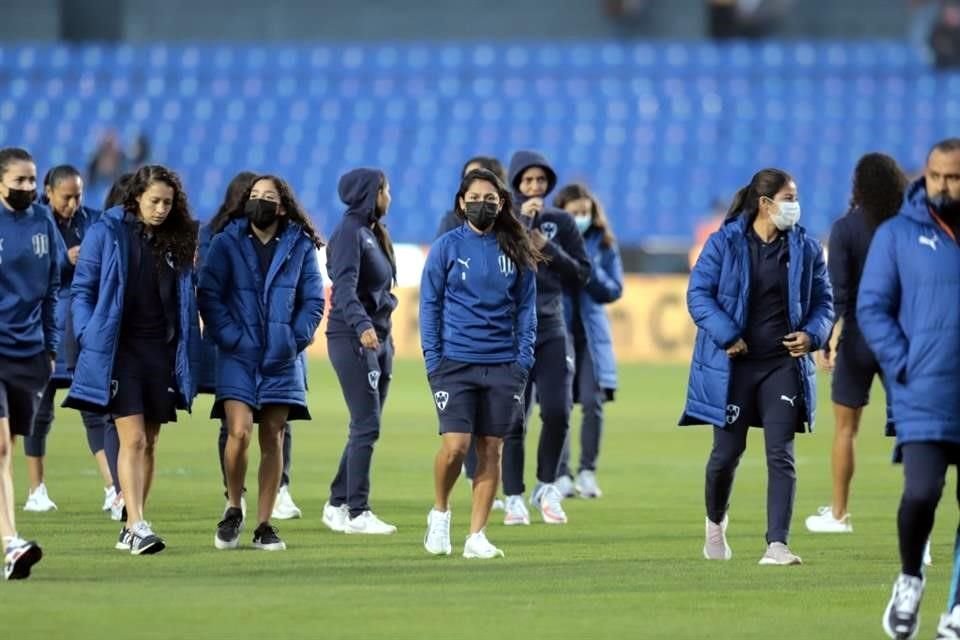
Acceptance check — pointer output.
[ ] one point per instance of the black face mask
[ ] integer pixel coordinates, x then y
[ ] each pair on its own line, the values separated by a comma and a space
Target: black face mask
21, 199
481, 215
261, 213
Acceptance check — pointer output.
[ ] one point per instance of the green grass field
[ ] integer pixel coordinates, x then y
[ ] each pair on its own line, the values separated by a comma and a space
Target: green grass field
627, 566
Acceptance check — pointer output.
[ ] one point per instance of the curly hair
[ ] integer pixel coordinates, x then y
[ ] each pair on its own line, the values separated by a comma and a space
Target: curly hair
878, 187
288, 201
118, 191
177, 236
512, 237
598, 216
232, 205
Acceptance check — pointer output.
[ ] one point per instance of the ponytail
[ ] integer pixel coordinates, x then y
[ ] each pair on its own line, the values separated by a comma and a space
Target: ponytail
765, 183
739, 200
383, 237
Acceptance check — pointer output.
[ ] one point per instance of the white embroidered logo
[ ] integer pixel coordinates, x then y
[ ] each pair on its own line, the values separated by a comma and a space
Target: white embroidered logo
442, 397
789, 400
41, 245
549, 229
506, 265
733, 413
373, 377
464, 262
114, 387
929, 242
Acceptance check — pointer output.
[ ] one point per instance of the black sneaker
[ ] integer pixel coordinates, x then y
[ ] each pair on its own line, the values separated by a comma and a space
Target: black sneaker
144, 542
123, 542
228, 529
266, 538
902, 617
19, 558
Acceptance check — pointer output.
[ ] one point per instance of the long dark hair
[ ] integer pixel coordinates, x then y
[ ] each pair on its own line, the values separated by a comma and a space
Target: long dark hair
233, 199
511, 235
765, 183
878, 187
118, 191
177, 236
598, 216
288, 201
383, 236
60, 173
9, 155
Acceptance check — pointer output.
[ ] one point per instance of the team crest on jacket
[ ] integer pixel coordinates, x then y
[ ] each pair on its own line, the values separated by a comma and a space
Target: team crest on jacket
549, 229
373, 377
442, 397
506, 265
41, 244
733, 413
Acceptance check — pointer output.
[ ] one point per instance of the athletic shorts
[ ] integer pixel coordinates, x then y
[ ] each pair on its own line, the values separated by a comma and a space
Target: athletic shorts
854, 372
22, 383
144, 382
479, 399
766, 392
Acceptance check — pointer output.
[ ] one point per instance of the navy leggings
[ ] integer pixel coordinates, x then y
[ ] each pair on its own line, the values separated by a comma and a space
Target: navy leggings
35, 445
365, 381
591, 398
287, 446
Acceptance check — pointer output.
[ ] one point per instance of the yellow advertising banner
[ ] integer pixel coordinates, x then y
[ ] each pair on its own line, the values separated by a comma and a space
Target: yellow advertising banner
650, 322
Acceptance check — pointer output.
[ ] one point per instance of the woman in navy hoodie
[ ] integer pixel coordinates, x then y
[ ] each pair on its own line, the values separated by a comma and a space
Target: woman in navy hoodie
761, 299
29, 336
261, 298
478, 326
596, 368
362, 269
135, 318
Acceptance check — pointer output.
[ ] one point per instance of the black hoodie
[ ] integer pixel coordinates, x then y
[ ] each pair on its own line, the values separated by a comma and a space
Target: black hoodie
358, 267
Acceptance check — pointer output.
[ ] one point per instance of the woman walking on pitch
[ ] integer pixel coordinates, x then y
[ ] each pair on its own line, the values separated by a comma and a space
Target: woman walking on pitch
261, 298
135, 318
478, 327
362, 269
761, 299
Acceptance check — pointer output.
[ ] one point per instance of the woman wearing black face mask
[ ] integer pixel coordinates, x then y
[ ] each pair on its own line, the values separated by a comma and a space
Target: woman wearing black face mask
261, 299
362, 268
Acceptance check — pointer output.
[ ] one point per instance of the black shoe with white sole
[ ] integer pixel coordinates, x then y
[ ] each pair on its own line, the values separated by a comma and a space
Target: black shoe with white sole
123, 541
144, 542
228, 529
19, 558
266, 538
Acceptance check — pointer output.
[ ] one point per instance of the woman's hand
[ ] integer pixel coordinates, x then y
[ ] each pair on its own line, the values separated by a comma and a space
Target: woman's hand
738, 348
369, 339
798, 343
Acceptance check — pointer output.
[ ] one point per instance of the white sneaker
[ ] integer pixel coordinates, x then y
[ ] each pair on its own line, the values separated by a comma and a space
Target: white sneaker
825, 522
38, 501
715, 546
116, 508
566, 487
477, 546
550, 502
437, 538
779, 554
368, 523
109, 495
498, 505
901, 619
335, 517
515, 511
587, 486
927, 556
285, 508
949, 627
19, 556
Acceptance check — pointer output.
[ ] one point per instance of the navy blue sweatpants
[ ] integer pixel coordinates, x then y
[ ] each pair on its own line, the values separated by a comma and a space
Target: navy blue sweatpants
35, 445
364, 377
553, 376
287, 448
591, 398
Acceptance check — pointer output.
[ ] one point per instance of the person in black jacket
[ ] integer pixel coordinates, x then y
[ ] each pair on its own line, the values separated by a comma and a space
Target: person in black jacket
554, 233
451, 220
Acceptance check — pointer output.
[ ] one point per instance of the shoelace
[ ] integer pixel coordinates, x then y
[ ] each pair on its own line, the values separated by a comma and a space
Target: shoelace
269, 529
908, 598
716, 534
233, 521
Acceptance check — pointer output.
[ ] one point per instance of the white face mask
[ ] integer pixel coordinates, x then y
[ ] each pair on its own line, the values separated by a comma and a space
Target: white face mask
786, 216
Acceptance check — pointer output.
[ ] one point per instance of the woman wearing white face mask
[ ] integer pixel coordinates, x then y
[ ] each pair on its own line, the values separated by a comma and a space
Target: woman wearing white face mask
761, 299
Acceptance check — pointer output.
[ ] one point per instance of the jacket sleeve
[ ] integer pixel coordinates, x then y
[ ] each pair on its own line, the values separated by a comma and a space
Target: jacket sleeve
839, 268
819, 320
567, 254
702, 295
310, 302
215, 280
432, 293
606, 277
343, 261
85, 288
449, 222
526, 323
52, 334
878, 305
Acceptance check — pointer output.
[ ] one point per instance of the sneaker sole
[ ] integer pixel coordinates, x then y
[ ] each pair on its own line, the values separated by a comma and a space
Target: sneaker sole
828, 528
356, 532
21, 568
274, 546
475, 556
514, 523
150, 549
552, 520
767, 562
893, 634
120, 546
727, 555
36, 510
286, 516
225, 545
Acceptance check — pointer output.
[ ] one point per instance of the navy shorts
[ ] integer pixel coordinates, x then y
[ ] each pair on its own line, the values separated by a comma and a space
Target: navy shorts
143, 382
764, 392
479, 399
854, 372
22, 383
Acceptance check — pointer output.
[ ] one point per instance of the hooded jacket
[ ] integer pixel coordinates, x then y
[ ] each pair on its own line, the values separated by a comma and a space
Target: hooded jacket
568, 265
357, 264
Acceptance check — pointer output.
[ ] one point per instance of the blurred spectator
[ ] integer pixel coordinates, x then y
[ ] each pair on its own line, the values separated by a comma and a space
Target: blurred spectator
139, 153
945, 38
923, 16
626, 9
745, 18
107, 162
